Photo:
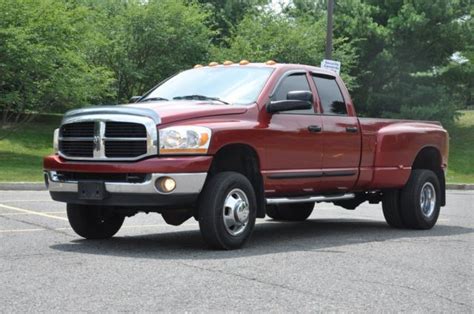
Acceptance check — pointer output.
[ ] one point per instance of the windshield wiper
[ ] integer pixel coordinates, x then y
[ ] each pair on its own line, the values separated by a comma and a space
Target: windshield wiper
154, 99
200, 97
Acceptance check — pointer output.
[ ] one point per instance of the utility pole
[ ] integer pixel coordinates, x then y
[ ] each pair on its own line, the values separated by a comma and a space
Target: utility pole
329, 30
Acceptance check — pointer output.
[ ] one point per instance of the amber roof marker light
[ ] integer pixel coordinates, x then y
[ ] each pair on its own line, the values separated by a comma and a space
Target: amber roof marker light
270, 62
213, 64
228, 62
244, 62
198, 66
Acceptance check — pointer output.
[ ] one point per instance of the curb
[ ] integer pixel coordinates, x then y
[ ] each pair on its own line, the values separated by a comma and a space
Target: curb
39, 186
22, 186
460, 186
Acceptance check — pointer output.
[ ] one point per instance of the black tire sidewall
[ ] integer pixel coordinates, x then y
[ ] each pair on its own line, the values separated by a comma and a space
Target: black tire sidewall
212, 200
84, 220
411, 209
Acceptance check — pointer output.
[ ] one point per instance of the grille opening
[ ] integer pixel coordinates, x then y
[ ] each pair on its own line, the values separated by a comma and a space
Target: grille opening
106, 177
125, 148
77, 148
80, 129
125, 129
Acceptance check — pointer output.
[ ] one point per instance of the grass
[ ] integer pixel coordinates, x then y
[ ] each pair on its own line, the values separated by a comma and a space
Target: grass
21, 153
461, 150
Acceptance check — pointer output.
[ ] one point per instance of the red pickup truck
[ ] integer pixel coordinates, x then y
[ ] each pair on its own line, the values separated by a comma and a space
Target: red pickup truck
230, 143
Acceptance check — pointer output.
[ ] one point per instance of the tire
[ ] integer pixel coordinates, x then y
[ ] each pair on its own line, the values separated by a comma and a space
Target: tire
93, 222
391, 209
224, 195
290, 212
419, 189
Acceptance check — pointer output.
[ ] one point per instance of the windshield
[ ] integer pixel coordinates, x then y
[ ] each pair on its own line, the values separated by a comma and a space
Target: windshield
233, 85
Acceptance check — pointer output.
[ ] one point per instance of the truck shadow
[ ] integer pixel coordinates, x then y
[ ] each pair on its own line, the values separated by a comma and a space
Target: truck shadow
269, 237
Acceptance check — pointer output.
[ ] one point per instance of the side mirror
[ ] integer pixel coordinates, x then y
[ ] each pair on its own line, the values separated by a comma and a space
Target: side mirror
302, 95
295, 100
135, 98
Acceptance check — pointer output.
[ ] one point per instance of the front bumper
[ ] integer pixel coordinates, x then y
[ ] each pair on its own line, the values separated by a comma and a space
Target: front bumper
144, 194
130, 194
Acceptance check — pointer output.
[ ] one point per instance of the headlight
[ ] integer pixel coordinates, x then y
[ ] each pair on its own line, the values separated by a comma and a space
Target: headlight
185, 140
56, 141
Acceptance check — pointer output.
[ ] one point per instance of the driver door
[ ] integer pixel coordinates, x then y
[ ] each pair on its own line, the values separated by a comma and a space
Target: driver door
293, 143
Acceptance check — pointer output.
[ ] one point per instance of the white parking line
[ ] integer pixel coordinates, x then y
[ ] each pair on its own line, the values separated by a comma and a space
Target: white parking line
16, 214
33, 212
68, 228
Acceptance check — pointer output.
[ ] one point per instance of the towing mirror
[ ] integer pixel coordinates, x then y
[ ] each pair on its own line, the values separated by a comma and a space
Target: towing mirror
295, 100
135, 98
302, 95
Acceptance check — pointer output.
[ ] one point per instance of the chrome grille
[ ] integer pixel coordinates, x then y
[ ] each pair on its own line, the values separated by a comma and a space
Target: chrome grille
77, 148
124, 129
108, 138
122, 148
80, 129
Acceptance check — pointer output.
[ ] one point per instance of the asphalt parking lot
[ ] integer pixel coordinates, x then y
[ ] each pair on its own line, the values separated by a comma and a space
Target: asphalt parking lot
337, 260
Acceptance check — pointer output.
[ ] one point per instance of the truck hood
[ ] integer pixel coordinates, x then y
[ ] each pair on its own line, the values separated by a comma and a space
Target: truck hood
173, 111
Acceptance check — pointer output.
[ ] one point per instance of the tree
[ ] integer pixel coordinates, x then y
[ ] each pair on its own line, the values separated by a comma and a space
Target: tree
148, 42
402, 46
43, 59
270, 36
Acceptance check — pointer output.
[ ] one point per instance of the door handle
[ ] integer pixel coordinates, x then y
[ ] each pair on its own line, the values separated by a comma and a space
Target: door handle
351, 129
314, 128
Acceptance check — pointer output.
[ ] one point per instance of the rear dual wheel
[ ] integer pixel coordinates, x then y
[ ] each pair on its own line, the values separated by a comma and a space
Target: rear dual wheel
417, 204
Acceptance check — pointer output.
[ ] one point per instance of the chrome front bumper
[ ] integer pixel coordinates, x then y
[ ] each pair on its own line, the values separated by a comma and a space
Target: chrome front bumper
186, 183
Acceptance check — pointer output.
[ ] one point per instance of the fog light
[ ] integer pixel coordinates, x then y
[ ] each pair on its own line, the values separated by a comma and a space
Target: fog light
165, 184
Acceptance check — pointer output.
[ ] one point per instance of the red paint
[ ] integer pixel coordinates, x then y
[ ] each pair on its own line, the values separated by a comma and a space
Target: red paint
151, 165
380, 154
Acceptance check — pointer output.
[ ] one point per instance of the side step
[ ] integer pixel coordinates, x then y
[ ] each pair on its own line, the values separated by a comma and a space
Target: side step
304, 199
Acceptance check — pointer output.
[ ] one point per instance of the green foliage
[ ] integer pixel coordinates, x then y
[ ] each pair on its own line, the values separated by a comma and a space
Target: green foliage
147, 43
268, 36
405, 47
43, 58
396, 55
226, 14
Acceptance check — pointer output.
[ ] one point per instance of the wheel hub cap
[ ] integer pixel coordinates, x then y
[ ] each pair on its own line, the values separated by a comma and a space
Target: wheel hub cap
236, 212
428, 199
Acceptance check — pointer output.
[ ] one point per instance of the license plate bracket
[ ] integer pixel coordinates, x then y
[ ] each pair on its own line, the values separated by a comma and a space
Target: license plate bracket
91, 190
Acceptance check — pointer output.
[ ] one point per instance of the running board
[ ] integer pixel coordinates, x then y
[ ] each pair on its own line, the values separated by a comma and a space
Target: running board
305, 199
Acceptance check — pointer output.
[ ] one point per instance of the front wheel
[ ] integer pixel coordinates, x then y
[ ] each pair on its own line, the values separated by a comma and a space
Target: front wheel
227, 210
94, 222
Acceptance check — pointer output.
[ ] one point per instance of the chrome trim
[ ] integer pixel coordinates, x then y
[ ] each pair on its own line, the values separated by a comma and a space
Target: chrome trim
186, 183
303, 199
120, 109
99, 134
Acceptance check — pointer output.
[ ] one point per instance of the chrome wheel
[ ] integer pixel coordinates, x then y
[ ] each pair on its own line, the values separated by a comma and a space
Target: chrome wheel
236, 212
428, 199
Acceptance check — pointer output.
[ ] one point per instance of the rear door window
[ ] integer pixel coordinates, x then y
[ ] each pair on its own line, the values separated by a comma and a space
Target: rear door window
330, 95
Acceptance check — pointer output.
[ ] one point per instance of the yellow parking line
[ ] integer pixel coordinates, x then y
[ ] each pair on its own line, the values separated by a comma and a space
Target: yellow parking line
32, 212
